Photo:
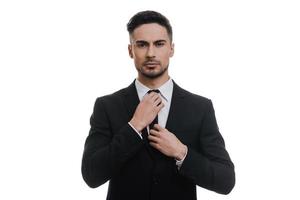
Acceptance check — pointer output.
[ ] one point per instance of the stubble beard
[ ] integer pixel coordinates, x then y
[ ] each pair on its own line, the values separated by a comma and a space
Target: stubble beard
152, 75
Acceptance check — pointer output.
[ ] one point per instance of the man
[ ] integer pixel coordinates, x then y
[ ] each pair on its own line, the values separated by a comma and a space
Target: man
153, 139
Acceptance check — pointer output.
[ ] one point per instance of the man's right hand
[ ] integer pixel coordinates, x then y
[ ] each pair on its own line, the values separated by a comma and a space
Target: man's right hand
146, 111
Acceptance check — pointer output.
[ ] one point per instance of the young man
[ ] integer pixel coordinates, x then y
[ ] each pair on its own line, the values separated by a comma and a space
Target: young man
153, 139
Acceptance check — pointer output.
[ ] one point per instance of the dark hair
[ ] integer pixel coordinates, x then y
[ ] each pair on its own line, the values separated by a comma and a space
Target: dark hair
147, 17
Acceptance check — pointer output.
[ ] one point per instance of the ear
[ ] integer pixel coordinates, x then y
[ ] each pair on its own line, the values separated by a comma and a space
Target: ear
172, 50
130, 50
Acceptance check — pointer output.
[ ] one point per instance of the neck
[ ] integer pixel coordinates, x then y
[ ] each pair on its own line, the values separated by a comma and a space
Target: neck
153, 83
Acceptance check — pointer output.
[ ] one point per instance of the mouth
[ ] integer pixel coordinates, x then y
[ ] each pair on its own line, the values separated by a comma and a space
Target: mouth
151, 64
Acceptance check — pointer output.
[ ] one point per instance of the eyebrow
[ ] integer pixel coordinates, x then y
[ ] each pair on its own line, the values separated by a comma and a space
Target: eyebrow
145, 42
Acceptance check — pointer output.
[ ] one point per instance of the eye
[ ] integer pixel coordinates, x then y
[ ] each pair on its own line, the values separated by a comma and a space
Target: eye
159, 44
141, 45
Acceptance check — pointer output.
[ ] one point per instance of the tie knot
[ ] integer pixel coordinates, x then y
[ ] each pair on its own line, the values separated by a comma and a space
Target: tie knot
157, 91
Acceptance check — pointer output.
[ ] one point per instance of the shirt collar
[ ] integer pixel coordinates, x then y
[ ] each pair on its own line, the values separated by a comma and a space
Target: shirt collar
166, 89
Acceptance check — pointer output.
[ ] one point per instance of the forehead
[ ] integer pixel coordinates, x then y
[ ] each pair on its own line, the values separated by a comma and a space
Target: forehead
150, 32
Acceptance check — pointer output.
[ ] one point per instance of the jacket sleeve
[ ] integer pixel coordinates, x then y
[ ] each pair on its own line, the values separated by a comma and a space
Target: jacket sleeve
210, 167
106, 152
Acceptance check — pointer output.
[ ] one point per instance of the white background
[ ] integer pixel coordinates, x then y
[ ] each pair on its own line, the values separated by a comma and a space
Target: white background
57, 56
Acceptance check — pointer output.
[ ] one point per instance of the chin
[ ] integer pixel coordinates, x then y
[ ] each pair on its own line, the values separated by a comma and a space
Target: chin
154, 74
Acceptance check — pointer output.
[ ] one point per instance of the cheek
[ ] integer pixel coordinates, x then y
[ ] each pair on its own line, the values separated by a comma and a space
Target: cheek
138, 60
138, 56
166, 58
165, 55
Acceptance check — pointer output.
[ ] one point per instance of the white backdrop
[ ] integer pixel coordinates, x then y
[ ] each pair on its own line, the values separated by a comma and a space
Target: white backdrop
57, 56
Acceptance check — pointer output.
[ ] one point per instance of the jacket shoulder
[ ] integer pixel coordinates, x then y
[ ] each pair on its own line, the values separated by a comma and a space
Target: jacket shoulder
112, 96
194, 97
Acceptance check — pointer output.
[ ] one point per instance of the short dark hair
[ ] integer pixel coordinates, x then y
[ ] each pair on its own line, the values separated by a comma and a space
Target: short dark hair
147, 17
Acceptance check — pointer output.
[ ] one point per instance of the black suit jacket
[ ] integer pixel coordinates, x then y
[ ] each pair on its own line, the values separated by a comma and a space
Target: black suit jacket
113, 150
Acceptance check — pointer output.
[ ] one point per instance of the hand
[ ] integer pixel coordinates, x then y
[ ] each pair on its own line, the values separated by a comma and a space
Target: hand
146, 111
167, 143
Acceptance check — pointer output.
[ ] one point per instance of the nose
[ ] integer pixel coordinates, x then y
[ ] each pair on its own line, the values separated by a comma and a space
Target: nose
150, 52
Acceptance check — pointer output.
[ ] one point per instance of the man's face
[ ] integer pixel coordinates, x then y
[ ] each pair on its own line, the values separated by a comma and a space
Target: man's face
151, 49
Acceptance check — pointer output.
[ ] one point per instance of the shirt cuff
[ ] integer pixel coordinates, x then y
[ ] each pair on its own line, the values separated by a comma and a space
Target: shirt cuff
179, 162
139, 134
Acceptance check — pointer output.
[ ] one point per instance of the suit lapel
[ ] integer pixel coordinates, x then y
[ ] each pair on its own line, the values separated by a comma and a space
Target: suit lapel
176, 108
131, 99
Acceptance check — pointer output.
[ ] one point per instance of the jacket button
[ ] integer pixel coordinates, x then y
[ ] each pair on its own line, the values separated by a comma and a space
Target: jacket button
155, 180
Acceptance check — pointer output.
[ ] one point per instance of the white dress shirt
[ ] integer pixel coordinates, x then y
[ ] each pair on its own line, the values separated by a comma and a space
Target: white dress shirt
166, 91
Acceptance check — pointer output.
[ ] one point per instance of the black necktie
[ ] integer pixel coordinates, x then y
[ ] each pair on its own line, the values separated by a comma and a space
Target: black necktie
155, 121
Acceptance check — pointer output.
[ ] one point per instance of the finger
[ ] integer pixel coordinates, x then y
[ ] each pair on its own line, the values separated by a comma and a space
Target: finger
146, 98
153, 132
152, 138
158, 101
155, 97
160, 106
155, 129
150, 95
155, 145
158, 127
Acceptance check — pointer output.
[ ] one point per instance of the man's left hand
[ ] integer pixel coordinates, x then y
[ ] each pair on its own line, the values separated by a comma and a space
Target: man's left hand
166, 142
